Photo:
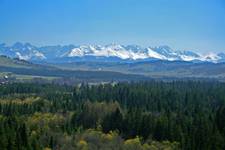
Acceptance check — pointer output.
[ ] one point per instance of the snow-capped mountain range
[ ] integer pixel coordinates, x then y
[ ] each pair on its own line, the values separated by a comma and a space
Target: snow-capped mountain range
111, 52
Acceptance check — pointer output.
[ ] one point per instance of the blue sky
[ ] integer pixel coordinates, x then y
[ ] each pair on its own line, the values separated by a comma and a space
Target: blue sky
182, 24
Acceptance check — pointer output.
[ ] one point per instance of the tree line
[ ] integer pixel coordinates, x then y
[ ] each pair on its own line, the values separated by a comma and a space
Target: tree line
139, 115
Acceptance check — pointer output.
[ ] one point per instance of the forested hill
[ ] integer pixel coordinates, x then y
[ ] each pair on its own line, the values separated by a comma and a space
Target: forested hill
145, 116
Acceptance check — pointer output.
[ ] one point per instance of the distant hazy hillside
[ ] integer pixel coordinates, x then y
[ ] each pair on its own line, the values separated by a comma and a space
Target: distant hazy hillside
21, 67
158, 69
6, 61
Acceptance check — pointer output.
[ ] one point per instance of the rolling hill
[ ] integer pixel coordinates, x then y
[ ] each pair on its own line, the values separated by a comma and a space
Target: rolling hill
21, 67
155, 69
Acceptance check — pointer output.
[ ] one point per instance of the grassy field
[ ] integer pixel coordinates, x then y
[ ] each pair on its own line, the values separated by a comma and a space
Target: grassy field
30, 77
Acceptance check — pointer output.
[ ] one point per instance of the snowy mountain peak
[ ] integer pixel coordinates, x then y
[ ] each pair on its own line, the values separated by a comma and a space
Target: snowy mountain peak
22, 51
108, 52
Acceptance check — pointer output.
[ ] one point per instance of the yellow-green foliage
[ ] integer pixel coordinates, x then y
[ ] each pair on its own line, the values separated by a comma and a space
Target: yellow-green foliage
45, 121
82, 145
93, 139
17, 101
165, 145
132, 144
1, 117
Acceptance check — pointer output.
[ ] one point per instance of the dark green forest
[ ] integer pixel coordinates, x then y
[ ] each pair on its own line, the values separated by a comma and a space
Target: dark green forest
154, 115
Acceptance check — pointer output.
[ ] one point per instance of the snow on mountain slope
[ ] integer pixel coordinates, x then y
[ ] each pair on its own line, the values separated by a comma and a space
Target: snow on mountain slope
105, 51
210, 57
129, 52
134, 52
22, 51
153, 54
